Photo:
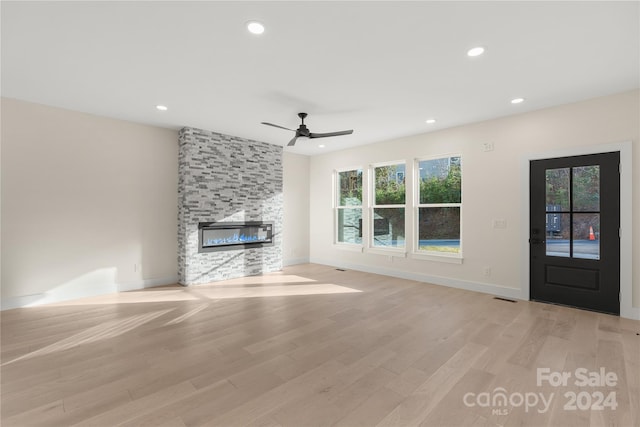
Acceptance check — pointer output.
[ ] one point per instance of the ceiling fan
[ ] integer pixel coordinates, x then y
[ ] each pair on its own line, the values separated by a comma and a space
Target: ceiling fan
303, 131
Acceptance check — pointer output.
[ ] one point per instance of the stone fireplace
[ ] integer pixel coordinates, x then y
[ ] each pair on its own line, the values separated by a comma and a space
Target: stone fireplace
229, 207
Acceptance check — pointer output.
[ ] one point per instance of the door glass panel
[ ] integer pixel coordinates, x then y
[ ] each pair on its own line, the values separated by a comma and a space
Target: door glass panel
586, 236
586, 188
558, 188
558, 234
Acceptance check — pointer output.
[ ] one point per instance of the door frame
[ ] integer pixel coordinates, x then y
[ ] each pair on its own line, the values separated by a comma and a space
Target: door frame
626, 224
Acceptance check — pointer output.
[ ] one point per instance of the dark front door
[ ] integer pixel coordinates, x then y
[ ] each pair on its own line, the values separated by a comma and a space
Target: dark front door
574, 235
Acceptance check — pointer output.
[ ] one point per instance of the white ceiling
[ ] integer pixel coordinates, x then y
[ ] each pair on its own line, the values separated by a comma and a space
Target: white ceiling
380, 68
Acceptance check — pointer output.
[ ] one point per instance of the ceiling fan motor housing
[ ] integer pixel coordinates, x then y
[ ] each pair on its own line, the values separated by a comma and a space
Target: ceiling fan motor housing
303, 131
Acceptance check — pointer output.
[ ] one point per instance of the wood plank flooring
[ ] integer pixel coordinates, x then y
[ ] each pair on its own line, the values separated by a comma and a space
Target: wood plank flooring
313, 346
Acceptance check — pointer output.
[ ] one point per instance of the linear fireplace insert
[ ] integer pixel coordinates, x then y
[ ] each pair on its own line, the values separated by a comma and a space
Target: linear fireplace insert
224, 236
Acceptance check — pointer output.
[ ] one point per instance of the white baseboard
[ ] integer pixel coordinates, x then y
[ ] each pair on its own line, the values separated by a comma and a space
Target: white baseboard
21, 301
626, 310
629, 312
295, 261
147, 283
485, 288
55, 296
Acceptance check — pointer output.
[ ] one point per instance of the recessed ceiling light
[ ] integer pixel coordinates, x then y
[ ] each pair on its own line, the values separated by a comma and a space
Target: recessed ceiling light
321, 146
161, 107
430, 121
476, 51
255, 27
517, 100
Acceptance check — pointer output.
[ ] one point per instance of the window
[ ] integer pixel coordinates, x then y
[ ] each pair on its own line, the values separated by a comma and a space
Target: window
439, 204
573, 212
349, 207
387, 211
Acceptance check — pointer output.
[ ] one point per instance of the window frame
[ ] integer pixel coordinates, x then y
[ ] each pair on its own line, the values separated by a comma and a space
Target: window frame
417, 253
372, 205
358, 247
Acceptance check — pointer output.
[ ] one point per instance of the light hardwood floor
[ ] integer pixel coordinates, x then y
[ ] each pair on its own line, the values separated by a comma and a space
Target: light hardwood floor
312, 346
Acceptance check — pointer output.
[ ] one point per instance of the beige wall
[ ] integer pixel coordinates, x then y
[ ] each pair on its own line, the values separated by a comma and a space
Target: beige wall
89, 204
492, 189
295, 245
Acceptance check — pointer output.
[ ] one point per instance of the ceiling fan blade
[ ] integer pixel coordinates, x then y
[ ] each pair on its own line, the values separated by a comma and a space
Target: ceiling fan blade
293, 141
325, 135
277, 126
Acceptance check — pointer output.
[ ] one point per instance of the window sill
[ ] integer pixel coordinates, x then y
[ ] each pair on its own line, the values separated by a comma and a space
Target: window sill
399, 253
348, 247
450, 259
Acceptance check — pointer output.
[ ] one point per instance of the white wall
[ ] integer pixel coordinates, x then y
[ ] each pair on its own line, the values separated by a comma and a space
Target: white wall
295, 188
89, 204
492, 188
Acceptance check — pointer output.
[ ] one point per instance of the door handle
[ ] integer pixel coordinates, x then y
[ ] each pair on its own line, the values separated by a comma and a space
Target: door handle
536, 241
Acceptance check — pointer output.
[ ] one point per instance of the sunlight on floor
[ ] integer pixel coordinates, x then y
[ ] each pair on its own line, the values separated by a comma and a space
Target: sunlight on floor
185, 316
255, 287
214, 293
165, 294
97, 333
261, 280
275, 285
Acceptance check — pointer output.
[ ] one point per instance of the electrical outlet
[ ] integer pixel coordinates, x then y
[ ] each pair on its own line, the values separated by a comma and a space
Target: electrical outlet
486, 271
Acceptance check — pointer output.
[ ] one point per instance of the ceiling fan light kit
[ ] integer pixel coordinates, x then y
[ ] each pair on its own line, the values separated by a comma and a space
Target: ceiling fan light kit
303, 131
